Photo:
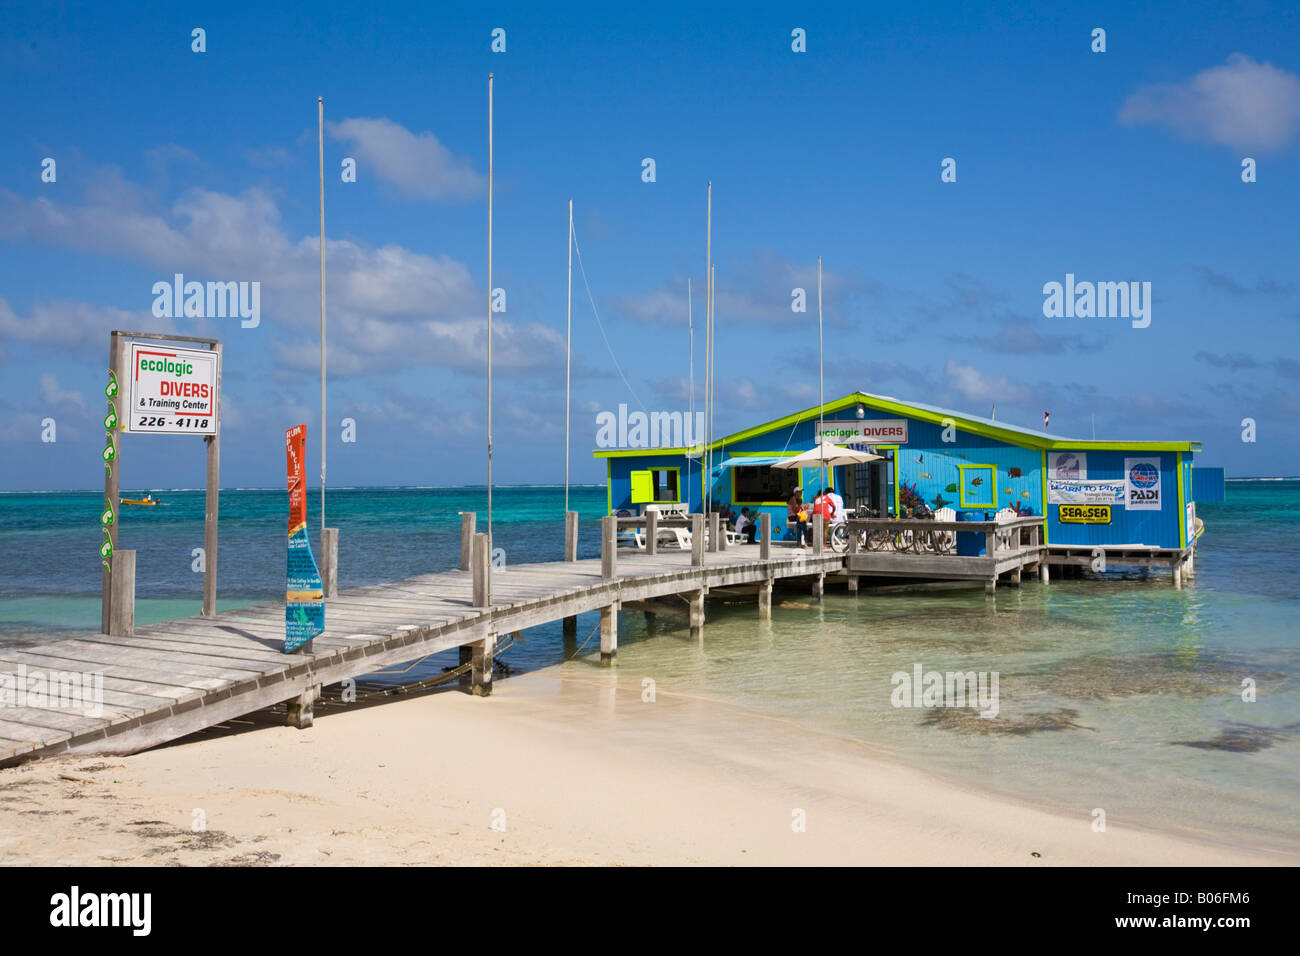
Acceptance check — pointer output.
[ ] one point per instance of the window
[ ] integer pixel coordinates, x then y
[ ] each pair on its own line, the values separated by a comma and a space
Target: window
762, 484
972, 478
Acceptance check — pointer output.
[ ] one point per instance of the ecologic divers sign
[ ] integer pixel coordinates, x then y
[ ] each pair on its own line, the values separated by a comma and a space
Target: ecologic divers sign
173, 391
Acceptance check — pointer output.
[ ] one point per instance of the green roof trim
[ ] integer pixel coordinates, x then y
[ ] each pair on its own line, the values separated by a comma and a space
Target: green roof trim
1013, 435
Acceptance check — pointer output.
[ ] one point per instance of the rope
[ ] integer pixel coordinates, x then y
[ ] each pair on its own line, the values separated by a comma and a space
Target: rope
601, 326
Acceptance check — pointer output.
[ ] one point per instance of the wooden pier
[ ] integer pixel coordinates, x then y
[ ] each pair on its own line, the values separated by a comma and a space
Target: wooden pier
165, 681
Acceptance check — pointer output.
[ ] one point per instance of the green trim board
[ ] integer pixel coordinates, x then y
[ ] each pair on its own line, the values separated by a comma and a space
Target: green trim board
993, 485
1043, 473
1182, 506
609, 488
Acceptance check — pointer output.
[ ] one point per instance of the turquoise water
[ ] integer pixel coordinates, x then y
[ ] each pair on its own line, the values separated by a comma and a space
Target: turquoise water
1122, 694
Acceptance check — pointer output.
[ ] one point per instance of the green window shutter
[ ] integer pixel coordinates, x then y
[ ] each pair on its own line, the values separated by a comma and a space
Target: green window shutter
643, 489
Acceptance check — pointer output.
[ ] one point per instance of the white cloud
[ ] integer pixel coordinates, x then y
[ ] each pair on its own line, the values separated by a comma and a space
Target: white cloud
57, 397
1244, 104
388, 303
419, 166
970, 383
74, 326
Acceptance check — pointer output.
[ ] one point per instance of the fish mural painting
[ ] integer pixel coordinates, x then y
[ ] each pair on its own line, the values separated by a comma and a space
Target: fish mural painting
304, 596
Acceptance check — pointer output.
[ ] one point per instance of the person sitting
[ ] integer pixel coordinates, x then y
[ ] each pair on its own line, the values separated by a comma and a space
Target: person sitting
839, 515
746, 525
798, 513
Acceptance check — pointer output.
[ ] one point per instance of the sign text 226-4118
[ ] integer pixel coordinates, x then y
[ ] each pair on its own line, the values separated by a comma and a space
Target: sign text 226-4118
158, 421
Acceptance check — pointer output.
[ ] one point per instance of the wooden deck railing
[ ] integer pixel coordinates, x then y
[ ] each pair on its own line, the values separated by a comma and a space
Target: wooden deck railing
928, 536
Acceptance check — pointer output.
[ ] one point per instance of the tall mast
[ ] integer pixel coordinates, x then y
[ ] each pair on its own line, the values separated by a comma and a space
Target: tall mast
489, 323
568, 353
709, 346
821, 376
690, 420
320, 144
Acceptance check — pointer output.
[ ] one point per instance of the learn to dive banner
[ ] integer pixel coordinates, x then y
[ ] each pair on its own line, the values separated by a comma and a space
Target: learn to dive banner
304, 597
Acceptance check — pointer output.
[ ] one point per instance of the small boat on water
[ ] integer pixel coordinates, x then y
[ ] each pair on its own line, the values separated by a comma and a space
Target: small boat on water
147, 501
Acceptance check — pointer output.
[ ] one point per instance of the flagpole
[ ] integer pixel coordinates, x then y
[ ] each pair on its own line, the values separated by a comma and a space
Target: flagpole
568, 354
320, 143
690, 421
489, 323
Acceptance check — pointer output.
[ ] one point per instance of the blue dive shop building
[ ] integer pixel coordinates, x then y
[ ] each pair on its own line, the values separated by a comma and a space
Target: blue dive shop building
1129, 498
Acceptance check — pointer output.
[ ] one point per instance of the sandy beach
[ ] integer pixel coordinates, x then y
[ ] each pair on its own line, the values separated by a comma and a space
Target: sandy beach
566, 765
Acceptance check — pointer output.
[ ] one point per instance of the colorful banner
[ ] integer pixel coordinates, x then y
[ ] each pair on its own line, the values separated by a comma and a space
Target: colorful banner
1142, 483
304, 596
1093, 492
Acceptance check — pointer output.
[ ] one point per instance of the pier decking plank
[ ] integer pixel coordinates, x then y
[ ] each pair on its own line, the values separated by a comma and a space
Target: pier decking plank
170, 679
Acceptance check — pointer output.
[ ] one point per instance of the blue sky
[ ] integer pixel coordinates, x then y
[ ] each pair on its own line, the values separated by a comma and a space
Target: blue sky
1115, 166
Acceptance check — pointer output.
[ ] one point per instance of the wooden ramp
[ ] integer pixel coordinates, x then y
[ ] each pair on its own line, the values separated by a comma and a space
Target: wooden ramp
172, 679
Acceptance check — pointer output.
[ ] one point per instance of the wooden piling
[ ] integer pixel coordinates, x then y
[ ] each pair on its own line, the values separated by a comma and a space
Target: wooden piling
481, 664
715, 520
818, 533
571, 536
608, 634
121, 618
652, 532
765, 599
852, 581
482, 567
697, 541
609, 547
764, 536
299, 710
466, 539
329, 561
819, 585
696, 600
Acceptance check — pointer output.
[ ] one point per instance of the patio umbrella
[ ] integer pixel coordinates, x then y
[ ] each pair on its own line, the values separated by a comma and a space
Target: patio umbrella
827, 455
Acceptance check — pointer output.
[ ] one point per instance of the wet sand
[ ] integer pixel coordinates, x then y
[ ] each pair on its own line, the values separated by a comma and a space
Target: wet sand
567, 765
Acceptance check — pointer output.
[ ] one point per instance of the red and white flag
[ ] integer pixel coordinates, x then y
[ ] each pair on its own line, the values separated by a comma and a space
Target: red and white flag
1047, 420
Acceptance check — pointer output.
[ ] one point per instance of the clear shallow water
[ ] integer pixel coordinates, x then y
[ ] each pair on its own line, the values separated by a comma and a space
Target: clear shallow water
1123, 694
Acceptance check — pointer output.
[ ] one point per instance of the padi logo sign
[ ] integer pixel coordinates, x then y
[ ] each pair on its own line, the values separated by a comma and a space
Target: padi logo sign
1142, 484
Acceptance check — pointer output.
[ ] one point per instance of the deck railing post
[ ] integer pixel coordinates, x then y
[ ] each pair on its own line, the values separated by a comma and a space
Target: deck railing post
571, 536
121, 608
652, 532
990, 543
819, 533
609, 547
482, 565
715, 519
853, 539
697, 541
329, 561
765, 536
466, 539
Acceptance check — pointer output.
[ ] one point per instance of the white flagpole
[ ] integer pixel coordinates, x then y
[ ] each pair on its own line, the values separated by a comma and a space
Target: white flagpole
568, 354
320, 142
690, 328
489, 323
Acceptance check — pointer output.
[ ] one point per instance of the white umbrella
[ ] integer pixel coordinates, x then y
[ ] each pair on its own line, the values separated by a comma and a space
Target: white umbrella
827, 455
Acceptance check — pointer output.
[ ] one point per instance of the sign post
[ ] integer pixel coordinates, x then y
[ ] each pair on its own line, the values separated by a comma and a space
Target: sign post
157, 387
304, 597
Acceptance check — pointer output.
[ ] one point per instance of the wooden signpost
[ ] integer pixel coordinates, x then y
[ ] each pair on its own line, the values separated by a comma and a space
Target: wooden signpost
158, 387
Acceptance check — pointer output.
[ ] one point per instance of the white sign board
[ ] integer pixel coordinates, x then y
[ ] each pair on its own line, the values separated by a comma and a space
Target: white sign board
1142, 483
173, 391
890, 431
1062, 492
